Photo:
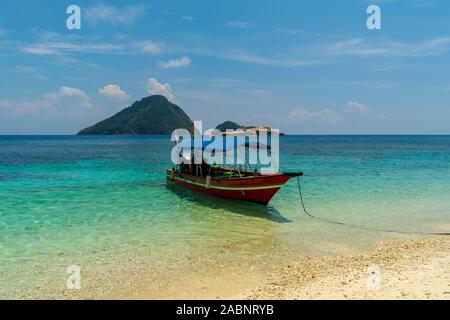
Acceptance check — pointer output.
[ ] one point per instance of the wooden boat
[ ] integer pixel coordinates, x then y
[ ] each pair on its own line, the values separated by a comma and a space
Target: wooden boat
248, 184
233, 184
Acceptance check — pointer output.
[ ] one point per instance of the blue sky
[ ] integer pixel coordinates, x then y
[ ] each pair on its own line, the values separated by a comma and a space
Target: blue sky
307, 67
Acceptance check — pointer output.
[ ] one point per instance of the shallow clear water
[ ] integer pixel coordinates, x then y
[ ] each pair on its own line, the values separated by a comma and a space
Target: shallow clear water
99, 201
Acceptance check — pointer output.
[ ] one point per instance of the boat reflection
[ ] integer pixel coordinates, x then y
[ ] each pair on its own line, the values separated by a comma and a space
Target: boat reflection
239, 207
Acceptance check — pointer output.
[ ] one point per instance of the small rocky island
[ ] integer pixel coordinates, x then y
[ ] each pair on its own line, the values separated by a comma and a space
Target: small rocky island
153, 115
228, 125
243, 130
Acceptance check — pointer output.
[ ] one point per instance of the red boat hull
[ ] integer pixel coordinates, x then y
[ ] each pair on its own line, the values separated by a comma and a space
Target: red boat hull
260, 188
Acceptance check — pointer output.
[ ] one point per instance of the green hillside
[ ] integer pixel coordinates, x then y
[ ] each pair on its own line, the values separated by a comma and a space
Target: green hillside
154, 115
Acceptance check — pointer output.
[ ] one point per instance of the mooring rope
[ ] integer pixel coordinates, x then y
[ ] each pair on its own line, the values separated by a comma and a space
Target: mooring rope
359, 226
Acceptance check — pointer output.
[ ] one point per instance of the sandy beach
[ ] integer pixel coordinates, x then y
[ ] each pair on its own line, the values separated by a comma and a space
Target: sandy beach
413, 269
399, 269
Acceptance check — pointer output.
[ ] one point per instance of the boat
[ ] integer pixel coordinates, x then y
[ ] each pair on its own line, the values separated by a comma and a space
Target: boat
245, 185
234, 184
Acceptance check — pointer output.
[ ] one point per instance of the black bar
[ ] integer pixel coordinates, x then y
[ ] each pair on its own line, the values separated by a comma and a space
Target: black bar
216, 309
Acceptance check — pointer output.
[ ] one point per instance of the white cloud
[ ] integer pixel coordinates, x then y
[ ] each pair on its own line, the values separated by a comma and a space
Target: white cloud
324, 116
41, 50
175, 63
114, 91
63, 48
155, 87
57, 45
114, 15
188, 18
235, 54
67, 92
356, 107
242, 56
361, 47
239, 24
149, 46
63, 99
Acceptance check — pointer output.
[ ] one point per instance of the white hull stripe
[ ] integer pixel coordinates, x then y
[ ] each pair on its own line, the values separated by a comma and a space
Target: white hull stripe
275, 186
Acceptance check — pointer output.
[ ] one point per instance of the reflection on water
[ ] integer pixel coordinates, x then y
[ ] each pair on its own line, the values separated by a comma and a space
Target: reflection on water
236, 206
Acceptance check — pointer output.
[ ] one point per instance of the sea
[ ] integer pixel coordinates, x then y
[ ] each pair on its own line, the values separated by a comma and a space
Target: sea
101, 203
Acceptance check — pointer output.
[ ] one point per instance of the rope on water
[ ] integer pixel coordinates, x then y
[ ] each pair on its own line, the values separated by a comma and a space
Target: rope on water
362, 227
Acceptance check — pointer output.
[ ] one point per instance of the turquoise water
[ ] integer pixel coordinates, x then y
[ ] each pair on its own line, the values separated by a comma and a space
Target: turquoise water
102, 203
